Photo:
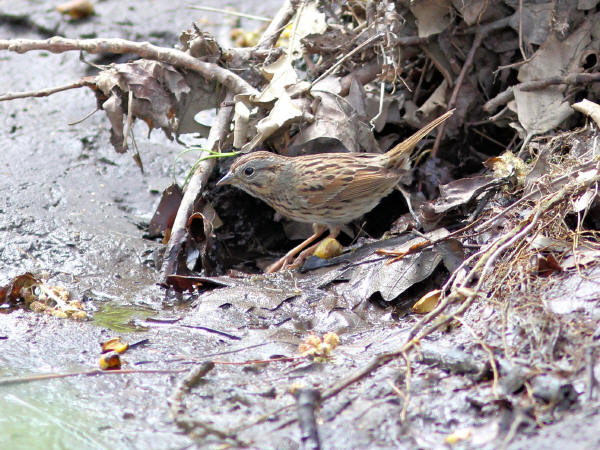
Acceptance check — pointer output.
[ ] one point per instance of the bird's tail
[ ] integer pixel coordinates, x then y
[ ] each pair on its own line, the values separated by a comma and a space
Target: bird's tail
399, 153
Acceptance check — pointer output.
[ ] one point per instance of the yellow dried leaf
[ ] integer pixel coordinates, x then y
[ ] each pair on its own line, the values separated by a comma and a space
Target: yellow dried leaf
114, 344
79, 315
427, 303
458, 436
76, 9
331, 339
37, 306
328, 248
295, 386
58, 313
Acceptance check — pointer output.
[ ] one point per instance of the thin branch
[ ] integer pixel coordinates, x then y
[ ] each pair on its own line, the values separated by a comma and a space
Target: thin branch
231, 13
87, 373
482, 32
521, 30
48, 91
361, 46
459, 82
507, 95
407, 377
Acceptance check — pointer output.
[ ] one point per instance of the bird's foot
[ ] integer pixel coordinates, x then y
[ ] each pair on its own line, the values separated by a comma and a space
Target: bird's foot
283, 263
290, 261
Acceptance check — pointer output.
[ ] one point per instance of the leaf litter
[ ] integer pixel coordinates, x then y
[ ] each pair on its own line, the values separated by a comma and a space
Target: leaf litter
514, 325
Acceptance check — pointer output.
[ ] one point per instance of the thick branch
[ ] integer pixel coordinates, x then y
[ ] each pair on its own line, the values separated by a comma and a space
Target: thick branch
217, 134
281, 19
146, 50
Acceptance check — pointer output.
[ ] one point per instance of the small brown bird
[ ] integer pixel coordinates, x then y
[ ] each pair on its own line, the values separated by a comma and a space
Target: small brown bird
328, 190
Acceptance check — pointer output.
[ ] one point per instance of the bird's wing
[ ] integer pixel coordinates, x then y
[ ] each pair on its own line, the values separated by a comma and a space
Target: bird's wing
345, 183
368, 183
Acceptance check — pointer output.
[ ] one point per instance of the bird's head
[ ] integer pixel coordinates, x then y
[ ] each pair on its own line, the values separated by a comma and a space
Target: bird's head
254, 173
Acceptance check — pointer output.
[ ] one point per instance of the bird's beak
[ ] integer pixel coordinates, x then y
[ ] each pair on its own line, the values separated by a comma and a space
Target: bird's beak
225, 180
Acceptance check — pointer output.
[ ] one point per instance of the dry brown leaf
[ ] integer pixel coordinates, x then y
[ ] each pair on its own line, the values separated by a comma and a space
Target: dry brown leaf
433, 16
461, 192
311, 21
336, 127
472, 11
534, 22
542, 110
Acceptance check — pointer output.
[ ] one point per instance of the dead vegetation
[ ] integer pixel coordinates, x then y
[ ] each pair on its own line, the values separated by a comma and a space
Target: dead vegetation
512, 249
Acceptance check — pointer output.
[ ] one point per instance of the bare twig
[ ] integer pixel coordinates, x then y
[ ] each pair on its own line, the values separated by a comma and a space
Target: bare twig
521, 30
231, 13
482, 32
507, 95
186, 422
407, 377
185, 385
490, 354
459, 81
86, 373
87, 81
363, 74
308, 401
358, 48
501, 99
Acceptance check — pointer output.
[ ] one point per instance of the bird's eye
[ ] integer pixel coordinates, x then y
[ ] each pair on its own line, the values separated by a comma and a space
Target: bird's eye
249, 171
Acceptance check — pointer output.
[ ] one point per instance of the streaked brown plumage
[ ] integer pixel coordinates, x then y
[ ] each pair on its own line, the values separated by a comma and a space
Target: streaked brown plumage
329, 189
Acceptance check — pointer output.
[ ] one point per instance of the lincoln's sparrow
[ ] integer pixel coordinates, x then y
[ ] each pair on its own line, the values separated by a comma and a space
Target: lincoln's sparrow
329, 189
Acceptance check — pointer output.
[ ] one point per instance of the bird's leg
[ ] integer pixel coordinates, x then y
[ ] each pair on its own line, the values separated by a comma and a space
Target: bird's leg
289, 256
333, 233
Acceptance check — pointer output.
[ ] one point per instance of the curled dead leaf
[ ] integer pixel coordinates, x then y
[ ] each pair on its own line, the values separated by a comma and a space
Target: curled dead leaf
114, 345
427, 303
544, 265
76, 9
165, 213
588, 108
309, 21
458, 436
433, 16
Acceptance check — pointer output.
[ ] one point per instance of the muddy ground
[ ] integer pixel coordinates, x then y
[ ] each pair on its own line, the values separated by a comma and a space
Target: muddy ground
75, 210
